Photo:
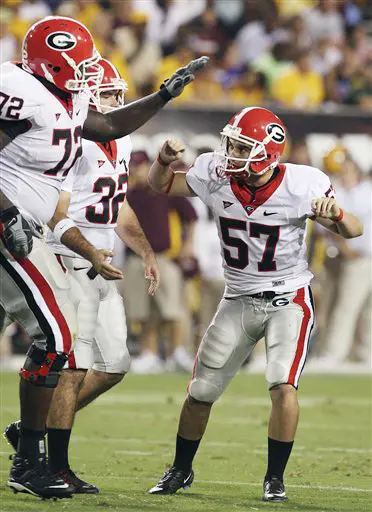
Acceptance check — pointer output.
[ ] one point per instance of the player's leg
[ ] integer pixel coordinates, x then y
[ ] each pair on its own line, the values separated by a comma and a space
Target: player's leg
287, 333
170, 299
111, 356
354, 288
27, 296
225, 346
86, 294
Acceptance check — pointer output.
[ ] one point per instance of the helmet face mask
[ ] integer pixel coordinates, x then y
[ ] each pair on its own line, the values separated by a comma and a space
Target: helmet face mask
62, 51
251, 143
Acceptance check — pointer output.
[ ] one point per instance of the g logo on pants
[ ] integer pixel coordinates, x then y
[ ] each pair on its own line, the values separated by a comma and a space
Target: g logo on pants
280, 302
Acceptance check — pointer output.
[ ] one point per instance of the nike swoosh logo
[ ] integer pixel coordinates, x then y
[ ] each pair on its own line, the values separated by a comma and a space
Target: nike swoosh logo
81, 268
266, 214
64, 486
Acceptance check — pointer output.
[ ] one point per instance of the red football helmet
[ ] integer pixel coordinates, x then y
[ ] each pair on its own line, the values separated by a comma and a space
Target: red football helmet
262, 132
111, 81
62, 51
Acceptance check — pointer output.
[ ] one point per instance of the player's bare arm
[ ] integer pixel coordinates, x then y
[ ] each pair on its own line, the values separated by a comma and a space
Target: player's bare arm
331, 216
162, 178
126, 120
70, 235
131, 233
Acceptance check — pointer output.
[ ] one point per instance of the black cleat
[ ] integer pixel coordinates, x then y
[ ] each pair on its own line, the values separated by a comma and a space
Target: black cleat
79, 486
11, 434
172, 480
37, 479
274, 490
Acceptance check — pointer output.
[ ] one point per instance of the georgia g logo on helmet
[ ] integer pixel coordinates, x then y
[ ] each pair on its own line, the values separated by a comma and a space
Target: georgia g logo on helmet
275, 132
61, 41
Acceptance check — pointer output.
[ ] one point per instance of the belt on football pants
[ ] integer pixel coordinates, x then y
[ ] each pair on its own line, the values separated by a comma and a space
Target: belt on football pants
269, 295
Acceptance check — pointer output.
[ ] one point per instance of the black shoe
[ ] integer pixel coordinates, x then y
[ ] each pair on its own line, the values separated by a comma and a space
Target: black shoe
37, 479
11, 434
172, 480
274, 490
80, 487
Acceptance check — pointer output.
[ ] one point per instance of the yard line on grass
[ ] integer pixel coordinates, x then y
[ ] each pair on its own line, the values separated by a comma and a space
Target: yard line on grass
223, 444
235, 483
231, 400
247, 421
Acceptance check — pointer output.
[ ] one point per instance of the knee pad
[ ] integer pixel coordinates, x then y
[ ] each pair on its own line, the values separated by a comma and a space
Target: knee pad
118, 363
203, 390
275, 374
49, 366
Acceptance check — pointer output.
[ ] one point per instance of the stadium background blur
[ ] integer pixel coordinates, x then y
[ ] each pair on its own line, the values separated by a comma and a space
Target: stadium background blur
309, 61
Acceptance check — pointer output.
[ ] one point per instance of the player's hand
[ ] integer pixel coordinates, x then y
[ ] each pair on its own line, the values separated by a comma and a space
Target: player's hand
152, 273
183, 76
101, 265
171, 151
16, 233
325, 208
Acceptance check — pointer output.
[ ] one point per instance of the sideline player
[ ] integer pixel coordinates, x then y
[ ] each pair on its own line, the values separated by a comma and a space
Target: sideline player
261, 209
93, 199
43, 117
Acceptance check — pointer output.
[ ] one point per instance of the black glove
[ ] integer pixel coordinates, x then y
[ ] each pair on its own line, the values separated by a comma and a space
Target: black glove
17, 235
174, 86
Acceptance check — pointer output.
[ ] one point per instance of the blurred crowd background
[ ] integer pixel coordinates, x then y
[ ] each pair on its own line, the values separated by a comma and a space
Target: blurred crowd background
304, 57
301, 54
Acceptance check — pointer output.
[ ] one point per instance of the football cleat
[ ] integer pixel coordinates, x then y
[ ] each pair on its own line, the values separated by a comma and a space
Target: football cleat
36, 479
79, 486
11, 434
172, 480
274, 490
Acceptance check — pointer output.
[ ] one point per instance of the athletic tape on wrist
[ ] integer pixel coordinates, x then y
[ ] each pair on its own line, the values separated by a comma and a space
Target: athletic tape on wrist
61, 227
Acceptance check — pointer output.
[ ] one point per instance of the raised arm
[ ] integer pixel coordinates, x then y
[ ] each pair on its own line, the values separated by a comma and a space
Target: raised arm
331, 216
162, 178
116, 124
66, 232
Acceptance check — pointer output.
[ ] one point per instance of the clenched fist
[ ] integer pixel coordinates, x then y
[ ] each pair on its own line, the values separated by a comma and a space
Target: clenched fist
171, 150
325, 207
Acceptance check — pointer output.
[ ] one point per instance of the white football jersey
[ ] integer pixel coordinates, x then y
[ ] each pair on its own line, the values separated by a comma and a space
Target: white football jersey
35, 163
262, 231
98, 184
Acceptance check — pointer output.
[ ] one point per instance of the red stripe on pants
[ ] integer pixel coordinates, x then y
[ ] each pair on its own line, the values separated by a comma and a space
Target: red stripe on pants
300, 300
193, 372
59, 259
71, 361
50, 301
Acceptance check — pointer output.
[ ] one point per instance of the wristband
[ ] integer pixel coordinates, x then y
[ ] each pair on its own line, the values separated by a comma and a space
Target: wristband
170, 183
8, 214
161, 161
340, 216
165, 94
61, 227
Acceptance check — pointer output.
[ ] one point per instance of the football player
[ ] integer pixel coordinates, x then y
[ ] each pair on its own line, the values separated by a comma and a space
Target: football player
92, 198
43, 117
261, 209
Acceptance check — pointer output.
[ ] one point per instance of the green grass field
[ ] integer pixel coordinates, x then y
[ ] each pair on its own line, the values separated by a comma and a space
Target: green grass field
125, 440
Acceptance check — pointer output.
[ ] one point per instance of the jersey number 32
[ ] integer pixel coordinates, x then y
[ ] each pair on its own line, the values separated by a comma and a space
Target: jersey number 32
107, 209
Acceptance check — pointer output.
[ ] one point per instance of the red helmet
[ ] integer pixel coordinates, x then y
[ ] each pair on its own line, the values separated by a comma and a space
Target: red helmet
111, 81
62, 51
259, 129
